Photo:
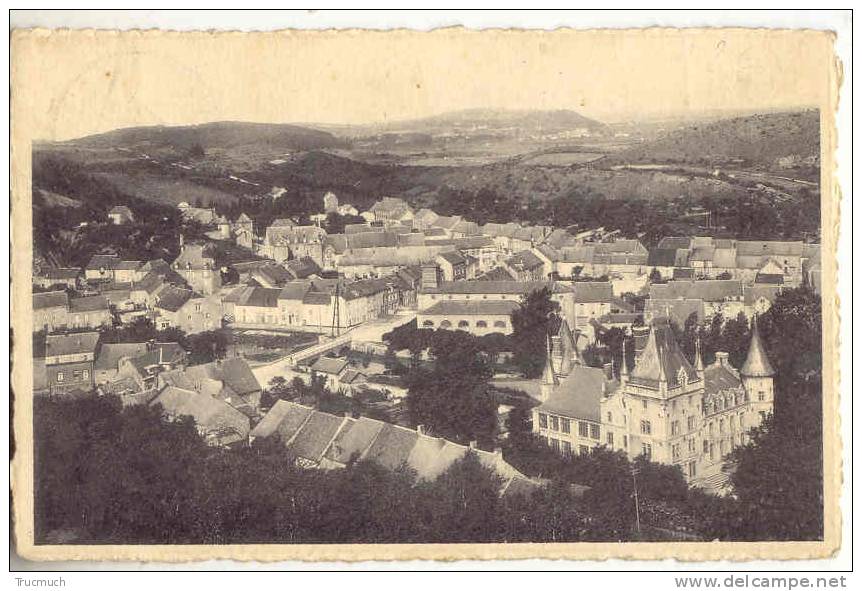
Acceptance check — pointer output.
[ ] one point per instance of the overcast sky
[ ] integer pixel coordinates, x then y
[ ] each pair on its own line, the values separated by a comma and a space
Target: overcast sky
76, 83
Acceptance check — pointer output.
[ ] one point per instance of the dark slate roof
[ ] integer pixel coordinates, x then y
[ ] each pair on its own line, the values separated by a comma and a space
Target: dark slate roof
593, 291
662, 257
681, 273
392, 447
315, 436
100, 261
330, 365
494, 287
69, 344
111, 353
496, 274
150, 283
471, 308
661, 359
236, 373
316, 298
453, 257
716, 378
579, 394
88, 304
354, 438
524, 260
674, 242
173, 298
302, 267
262, 297
757, 362
50, 299
769, 278
283, 420
708, 290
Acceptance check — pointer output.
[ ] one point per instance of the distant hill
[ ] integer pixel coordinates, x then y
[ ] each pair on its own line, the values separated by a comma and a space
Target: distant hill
227, 135
492, 119
772, 141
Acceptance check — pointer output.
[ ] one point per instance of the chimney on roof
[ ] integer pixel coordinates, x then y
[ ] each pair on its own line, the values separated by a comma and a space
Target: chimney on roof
722, 358
420, 429
474, 444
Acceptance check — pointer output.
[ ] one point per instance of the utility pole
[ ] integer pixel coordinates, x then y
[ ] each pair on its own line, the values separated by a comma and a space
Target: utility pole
637, 505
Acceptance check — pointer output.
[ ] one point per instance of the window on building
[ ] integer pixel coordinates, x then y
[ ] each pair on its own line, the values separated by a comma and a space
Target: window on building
583, 450
481, 324
595, 431
644, 403
705, 446
566, 448
565, 425
691, 423
543, 420
610, 418
610, 437
625, 441
60, 376
692, 469
711, 427
646, 427
646, 450
761, 395
674, 451
674, 428
555, 445
583, 429
445, 324
555, 424
691, 445
721, 425
499, 324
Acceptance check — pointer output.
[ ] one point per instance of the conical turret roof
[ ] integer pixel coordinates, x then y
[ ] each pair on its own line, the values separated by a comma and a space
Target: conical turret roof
756, 362
662, 360
549, 378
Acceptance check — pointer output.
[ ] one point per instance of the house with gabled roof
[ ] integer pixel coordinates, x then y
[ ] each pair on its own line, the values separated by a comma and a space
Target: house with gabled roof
186, 310
198, 269
217, 422
230, 380
69, 360
314, 439
57, 276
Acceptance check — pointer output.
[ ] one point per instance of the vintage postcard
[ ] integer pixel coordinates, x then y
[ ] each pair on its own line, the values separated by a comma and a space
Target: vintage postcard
360, 295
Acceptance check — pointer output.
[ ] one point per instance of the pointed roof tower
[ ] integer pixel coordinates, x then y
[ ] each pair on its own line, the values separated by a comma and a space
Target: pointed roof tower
549, 378
756, 362
698, 358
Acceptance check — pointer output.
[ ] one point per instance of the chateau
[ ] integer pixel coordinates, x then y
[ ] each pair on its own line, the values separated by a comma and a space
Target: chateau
666, 408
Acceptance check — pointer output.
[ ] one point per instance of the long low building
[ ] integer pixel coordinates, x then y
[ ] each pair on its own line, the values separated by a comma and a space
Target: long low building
315, 439
476, 317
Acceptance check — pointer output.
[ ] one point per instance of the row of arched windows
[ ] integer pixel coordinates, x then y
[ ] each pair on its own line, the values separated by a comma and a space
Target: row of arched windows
464, 324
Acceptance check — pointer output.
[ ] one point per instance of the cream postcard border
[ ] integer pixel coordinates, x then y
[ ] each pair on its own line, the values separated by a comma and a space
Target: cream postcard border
32, 72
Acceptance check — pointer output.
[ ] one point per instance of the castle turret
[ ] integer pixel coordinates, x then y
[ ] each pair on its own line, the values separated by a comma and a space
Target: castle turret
549, 378
757, 373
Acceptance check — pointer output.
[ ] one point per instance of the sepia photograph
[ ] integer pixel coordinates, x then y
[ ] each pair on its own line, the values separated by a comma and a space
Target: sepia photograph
488, 294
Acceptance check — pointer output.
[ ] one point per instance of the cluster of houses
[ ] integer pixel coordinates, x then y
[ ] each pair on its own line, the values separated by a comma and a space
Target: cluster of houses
450, 273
